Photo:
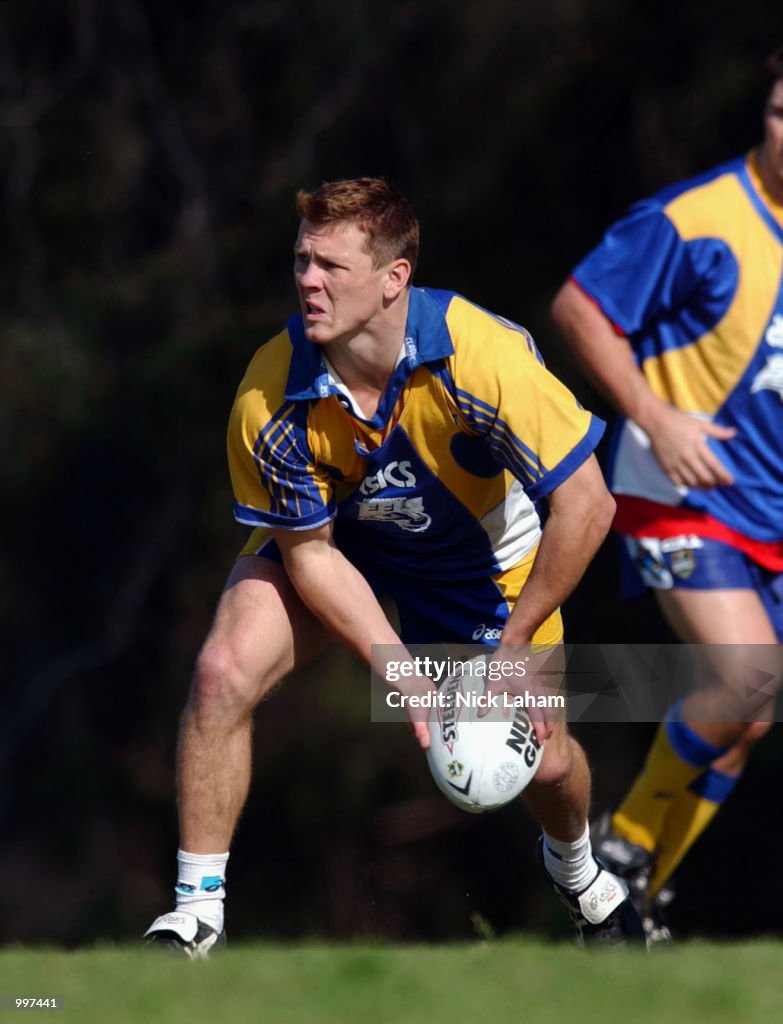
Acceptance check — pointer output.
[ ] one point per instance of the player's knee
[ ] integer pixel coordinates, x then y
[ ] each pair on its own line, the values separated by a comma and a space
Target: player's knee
757, 730
223, 685
555, 763
733, 761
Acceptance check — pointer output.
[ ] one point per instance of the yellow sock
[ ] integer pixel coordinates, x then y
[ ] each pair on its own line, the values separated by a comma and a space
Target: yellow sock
677, 757
688, 817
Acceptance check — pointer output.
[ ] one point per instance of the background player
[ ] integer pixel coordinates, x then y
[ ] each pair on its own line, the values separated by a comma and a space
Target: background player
391, 439
677, 317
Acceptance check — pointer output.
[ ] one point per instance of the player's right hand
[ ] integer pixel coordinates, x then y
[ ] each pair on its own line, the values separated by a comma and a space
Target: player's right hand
679, 442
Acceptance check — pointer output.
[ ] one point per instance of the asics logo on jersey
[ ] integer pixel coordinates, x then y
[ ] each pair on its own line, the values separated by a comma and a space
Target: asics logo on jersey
396, 474
770, 377
774, 333
483, 632
407, 513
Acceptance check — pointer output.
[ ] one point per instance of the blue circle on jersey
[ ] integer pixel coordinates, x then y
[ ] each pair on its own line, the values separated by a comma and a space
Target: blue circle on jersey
473, 454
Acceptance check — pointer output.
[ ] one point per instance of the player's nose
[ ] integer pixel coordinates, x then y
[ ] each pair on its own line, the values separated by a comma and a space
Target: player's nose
309, 276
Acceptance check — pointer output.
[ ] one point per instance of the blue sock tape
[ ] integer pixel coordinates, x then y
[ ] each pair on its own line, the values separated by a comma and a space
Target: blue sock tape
687, 744
713, 785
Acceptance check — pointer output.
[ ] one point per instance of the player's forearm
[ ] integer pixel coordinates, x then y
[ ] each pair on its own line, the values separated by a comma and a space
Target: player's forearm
338, 595
605, 356
566, 550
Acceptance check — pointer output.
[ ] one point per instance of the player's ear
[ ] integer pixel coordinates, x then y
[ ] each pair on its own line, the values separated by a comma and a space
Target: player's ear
398, 276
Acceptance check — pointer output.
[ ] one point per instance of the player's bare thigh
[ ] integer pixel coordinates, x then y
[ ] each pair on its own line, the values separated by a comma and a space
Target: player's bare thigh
735, 617
261, 631
731, 616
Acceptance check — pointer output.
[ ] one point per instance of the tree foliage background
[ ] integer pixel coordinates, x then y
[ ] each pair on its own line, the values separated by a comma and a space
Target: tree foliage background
150, 154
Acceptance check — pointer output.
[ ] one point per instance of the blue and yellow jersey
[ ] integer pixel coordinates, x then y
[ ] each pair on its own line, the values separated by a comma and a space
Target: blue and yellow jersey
443, 480
694, 278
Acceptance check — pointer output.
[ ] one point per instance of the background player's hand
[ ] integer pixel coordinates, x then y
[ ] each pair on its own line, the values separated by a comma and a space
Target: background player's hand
679, 442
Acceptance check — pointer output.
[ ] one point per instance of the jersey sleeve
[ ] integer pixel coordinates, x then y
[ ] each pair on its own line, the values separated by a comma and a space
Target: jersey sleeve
642, 269
275, 480
535, 427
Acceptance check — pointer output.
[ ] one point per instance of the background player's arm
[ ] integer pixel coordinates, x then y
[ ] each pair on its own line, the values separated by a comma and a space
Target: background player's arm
339, 595
677, 439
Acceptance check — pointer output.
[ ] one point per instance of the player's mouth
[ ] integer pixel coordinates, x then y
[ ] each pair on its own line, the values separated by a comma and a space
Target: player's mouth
312, 311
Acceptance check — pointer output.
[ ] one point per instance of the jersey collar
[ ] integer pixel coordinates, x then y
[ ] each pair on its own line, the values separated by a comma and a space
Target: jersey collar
427, 340
750, 179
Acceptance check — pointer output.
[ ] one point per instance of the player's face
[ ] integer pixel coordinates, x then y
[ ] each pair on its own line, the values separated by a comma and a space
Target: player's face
771, 154
340, 291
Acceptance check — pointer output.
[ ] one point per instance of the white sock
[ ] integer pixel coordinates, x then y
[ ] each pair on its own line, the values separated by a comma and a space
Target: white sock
201, 886
571, 865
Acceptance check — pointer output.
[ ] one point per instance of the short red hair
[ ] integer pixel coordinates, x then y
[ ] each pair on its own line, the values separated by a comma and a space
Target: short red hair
375, 206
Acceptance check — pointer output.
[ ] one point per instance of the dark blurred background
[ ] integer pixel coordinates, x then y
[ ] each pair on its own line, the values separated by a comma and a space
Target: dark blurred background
150, 153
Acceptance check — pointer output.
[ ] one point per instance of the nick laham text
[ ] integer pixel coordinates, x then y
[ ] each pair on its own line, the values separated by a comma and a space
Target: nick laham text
433, 699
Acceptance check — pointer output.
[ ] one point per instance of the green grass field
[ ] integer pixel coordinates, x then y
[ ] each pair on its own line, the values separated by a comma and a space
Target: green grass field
514, 980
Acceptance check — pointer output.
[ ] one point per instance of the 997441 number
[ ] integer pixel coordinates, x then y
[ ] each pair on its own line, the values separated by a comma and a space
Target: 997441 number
30, 1003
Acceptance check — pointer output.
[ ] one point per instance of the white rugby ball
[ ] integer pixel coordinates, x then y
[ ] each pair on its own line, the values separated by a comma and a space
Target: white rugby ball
480, 761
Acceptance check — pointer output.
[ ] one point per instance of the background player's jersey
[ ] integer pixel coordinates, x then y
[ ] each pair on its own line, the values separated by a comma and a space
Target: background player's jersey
443, 480
693, 278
